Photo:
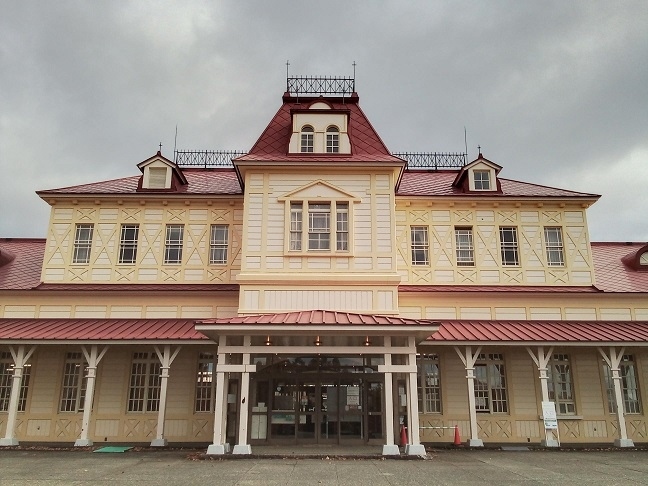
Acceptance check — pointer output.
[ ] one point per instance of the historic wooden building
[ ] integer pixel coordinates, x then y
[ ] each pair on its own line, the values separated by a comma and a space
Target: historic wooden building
321, 289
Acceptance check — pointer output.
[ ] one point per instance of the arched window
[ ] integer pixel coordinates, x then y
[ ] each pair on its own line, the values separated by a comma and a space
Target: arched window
332, 140
307, 134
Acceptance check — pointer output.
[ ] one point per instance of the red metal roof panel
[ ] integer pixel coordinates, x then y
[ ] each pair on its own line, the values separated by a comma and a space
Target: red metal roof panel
318, 317
611, 275
21, 262
455, 331
98, 329
439, 183
199, 182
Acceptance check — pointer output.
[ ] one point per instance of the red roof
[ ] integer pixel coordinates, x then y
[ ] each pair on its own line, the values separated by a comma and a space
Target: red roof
424, 183
21, 262
98, 329
526, 332
319, 317
199, 182
366, 145
611, 274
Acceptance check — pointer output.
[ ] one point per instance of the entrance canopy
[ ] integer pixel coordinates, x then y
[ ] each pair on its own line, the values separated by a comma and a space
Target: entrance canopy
318, 323
565, 333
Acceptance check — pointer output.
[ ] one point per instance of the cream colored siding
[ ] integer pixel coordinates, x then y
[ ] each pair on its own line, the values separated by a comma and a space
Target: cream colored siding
521, 388
588, 379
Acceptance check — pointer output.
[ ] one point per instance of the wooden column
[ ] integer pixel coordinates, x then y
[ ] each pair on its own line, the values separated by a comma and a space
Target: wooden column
613, 360
20, 357
166, 358
243, 447
415, 448
390, 448
92, 358
541, 359
219, 445
468, 360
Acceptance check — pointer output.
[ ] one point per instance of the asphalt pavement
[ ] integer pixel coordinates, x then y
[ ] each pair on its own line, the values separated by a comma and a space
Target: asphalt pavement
455, 467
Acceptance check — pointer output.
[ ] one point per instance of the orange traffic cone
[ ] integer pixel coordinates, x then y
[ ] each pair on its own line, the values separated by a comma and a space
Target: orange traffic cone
403, 436
457, 439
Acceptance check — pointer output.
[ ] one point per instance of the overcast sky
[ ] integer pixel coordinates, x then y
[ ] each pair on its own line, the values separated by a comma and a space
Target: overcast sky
554, 91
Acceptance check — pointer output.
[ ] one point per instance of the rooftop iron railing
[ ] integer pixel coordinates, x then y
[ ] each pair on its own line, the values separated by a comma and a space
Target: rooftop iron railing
320, 85
415, 160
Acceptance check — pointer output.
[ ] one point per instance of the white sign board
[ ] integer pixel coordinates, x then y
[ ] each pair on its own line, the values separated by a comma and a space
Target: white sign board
549, 416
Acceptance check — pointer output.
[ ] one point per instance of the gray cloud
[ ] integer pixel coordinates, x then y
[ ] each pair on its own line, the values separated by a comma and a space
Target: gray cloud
556, 92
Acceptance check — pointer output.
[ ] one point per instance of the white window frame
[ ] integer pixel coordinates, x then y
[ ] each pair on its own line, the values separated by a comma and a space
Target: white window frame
554, 246
307, 140
629, 386
420, 245
560, 382
6, 380
327, 228
429, 383
465, 248
509, 246
218, 244
205, 383
128, 239
144, 384
332, 140
83, 233
482, 179
491, 384
173, 244
73, 387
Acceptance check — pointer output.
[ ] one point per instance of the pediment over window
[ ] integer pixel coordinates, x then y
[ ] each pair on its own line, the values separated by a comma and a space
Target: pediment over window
159, 173
319, 190
479, 176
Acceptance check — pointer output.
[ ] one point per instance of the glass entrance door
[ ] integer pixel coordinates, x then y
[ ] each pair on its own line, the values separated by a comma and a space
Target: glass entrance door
308, 404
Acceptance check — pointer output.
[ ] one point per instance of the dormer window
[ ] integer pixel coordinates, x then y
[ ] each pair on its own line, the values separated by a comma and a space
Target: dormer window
332, 140
482, 180
643, 259
307, 139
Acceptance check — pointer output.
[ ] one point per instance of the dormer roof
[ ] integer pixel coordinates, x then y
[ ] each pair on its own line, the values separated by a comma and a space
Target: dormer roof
158, 160
273, 144
479, 162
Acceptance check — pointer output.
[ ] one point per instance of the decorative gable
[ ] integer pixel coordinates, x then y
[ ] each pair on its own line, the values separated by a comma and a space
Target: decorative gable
159, 173
319, 190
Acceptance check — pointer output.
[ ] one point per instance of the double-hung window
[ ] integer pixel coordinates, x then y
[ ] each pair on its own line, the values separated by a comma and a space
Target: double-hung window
629, 386
205, 383
332, 140
464, 247
145, 383
554, 246
128, 243
429, 383
420, 245
73, 389
342, 226
307, 139
6, 381
561, 385
319, 226
82, 243
490, 384
509, 245
296, 216
218, 244
173, 243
